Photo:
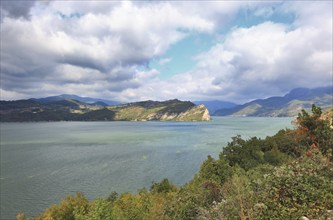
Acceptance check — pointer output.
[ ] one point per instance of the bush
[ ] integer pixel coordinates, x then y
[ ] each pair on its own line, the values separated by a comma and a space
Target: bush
216, 170
315, 131
301, 188
275, 157
286, 142
100, 209
70, 208
245, 153
164, 186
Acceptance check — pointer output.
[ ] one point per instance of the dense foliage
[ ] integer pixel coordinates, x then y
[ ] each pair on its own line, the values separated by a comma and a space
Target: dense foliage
285, 176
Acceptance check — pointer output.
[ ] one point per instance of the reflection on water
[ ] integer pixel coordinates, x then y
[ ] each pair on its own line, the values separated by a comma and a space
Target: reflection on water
43, 162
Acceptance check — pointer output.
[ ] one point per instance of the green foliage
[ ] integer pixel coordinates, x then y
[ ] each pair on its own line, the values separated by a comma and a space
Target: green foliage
246, 154
100, 209
215, 170
239, 198
176, 106
97, 115
112, 197
275, 157
164, 186
20, 216
314, 131
301, 188
212, 192
134, 207
285, 141
70, 208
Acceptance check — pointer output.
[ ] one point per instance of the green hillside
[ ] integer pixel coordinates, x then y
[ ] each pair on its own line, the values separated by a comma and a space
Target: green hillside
73, 110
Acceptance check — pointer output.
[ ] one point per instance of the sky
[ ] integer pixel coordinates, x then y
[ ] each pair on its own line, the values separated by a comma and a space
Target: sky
158, 50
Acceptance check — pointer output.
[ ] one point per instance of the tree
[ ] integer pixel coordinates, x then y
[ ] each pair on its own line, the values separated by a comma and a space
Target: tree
246, 153
112, 197
70, 208
100, 209
164, 186
216, 170
300, 188
315, 131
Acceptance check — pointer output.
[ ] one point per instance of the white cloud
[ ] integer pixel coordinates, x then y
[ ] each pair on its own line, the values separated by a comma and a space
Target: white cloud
64, 43
257, 62
98, 48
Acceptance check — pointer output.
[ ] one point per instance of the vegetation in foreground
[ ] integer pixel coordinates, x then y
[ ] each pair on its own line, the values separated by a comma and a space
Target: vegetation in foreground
285, 176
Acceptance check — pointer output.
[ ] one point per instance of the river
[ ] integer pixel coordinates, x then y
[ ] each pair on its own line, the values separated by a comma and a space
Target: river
43, 162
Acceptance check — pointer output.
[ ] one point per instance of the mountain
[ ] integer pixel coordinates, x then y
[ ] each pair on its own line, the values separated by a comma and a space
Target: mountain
288, 105
88, 100
55, 109
212, 106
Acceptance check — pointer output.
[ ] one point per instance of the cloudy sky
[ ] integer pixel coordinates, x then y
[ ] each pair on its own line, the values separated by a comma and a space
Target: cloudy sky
129, 51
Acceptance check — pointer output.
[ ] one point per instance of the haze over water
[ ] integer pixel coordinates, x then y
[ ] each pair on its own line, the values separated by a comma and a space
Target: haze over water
43, 162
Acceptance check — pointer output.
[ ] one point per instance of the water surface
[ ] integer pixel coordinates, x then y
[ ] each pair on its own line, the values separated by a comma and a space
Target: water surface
43, 162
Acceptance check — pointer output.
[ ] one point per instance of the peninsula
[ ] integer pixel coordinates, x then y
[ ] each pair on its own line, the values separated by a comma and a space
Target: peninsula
74, 110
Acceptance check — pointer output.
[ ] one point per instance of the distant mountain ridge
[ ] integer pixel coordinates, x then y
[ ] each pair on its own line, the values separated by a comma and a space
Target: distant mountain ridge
73, 107
88, 100
58, 109
288, 105
214, 105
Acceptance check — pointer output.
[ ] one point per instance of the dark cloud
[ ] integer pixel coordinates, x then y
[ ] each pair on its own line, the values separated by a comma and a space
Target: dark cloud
123, 86
84, 62
16, 9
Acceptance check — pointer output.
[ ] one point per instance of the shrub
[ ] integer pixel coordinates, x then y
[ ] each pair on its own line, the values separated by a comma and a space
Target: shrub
301, 188
164, 186
216, 170
70, 208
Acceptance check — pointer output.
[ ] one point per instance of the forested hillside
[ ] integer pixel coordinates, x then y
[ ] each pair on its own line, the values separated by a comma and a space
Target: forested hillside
52, 109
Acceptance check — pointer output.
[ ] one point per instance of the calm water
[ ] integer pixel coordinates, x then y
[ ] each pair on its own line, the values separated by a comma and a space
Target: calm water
43, 162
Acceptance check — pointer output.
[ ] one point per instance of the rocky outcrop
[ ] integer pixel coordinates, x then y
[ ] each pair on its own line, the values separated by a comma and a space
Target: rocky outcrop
172, 110
196, 113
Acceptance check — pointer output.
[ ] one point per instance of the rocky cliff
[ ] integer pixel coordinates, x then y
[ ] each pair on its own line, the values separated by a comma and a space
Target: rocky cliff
172, 110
